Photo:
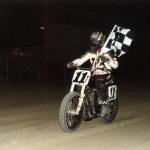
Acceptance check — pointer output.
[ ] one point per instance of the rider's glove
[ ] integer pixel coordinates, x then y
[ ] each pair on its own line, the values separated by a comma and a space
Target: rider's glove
104, 58
70, 65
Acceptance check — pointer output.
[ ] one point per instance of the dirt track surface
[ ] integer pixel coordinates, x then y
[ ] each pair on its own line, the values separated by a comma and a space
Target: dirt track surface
29, 119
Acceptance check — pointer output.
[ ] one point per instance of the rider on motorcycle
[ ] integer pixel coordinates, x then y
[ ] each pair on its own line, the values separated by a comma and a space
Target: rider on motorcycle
104, 65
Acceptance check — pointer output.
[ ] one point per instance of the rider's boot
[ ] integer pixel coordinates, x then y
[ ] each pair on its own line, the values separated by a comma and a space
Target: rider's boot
105, 108
93, 110
99, 101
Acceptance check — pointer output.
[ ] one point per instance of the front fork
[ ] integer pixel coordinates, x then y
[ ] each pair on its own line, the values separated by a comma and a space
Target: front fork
79, 106
80, 98
82, 95
80, 78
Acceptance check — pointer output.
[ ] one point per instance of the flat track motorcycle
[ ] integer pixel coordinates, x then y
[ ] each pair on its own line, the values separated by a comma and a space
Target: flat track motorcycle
81, 102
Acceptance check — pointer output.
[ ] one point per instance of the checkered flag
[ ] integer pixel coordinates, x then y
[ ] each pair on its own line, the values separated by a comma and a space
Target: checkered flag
119, 41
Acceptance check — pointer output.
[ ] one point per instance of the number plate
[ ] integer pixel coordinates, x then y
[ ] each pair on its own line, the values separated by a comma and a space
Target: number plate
112, 92
81, 77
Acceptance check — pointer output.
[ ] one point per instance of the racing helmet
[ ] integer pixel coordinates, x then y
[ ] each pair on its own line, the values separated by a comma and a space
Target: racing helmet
97, 40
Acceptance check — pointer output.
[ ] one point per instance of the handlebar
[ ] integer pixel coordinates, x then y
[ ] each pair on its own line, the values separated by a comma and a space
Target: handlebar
90, 69
80, 68
104, 58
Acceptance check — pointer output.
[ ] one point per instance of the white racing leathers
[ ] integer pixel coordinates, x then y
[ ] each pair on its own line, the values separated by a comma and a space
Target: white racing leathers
101, 67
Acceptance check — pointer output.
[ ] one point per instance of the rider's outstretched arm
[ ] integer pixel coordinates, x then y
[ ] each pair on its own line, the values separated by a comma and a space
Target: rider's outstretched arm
81, 60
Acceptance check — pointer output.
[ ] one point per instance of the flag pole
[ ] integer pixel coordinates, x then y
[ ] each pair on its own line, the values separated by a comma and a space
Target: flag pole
101, 52
104, 46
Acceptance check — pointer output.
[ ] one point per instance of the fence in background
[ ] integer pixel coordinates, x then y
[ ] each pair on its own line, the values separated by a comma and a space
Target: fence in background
20, 71
30, 70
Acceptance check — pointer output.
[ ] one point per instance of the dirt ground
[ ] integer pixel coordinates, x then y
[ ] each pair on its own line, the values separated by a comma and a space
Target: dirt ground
29, 119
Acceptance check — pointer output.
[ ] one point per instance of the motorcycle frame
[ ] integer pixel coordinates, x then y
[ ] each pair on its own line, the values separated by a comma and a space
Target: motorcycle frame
81, 78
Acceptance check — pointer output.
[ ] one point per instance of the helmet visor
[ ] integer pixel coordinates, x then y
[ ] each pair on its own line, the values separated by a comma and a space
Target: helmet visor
94, 43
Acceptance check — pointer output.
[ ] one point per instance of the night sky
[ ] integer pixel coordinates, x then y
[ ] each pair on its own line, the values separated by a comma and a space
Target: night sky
21, 19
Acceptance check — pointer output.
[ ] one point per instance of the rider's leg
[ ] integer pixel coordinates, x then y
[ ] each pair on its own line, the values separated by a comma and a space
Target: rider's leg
103, 96
102, 91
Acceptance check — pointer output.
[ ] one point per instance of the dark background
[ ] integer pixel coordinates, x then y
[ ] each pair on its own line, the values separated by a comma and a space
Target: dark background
21, 21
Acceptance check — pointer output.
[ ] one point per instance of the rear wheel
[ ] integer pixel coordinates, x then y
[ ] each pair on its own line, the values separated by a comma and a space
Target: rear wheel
68, 120
112, 114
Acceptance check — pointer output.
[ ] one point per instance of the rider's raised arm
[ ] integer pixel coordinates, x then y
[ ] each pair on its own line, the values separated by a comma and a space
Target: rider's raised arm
81, 60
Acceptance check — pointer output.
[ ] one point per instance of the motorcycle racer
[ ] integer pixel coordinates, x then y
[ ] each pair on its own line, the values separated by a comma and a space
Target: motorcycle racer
104, 64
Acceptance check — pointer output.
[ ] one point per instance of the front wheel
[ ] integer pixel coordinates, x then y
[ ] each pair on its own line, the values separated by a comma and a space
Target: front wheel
68, 120
113, 107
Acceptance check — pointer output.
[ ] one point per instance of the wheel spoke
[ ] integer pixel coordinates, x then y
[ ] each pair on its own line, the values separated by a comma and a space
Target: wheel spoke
72, 119
68, 119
